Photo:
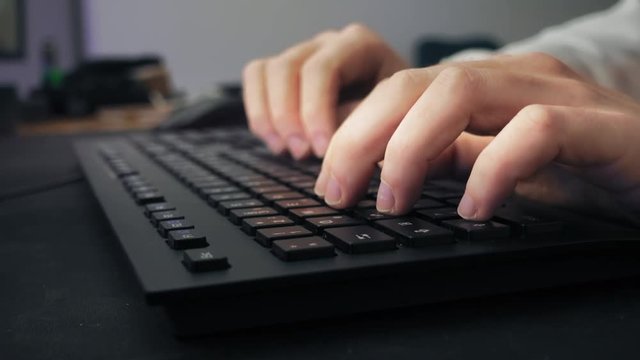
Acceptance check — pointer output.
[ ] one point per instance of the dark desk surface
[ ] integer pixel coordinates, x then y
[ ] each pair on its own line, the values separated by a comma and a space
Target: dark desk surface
67, 292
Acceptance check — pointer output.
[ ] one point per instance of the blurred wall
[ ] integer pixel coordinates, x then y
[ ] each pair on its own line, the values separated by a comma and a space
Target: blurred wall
45, 19
208, 41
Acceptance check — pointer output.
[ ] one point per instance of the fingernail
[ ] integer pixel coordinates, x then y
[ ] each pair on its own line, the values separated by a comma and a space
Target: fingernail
385, 199
274, 143
467, 208
333, 194
320, 184
298, 146
320, 144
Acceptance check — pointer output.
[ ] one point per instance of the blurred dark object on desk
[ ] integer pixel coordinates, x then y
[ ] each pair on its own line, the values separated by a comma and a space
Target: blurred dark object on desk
97, 83
222, 107
9, 110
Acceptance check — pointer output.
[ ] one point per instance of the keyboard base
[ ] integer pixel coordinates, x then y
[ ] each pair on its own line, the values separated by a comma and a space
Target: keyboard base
470, 278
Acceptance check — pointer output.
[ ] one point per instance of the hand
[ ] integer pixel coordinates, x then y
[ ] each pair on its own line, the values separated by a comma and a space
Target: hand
291, 99
526, 123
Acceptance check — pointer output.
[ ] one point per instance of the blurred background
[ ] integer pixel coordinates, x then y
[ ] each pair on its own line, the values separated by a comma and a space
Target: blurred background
78, 61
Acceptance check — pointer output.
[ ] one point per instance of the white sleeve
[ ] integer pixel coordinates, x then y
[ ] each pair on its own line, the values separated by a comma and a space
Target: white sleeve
603, 46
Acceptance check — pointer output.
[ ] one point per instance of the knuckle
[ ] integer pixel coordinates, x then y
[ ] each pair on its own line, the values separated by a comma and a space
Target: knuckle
280, 64
549, 63
356, 29
252, 67
325, 35
402, 79
539, 118
317, 65
459, 77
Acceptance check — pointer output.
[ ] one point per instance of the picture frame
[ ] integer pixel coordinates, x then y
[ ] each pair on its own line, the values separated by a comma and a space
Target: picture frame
12, 29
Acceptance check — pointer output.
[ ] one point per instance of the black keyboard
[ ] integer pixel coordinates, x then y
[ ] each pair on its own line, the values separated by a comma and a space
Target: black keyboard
226, 236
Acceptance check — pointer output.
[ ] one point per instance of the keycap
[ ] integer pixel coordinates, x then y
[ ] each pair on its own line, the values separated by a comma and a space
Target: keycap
427, 204
151, 208
186, 239
446, 213
359, 239
269, 189
180, 224
250, 225
442, 194
158, 216
365, 204
237, 215
148, 197
317, 224
268, 235
472, 230
219, 190
217, 198
198, 260
296, 203
225, 206
372, 214
415, 232
305, 248
526, 224
288, 195
303, 213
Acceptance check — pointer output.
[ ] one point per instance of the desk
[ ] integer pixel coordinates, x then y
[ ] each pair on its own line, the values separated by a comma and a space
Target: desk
67, 292
120, 118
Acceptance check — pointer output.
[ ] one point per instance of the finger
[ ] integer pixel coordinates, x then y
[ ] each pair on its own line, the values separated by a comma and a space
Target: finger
537, 136
356, 54
360, 142
256, 105
480, 100
282, 74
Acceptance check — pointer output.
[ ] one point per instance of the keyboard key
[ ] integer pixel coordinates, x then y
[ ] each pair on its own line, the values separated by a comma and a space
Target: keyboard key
417, 233
237, 215
180, 224
446, 213
186, 239
151, 208
219, 190
527, 224
473, 230
366, 204
303, 213
296, 203
218, 198
289, 195
318, 224
269, 189
158, 216
148, 197
306, 248
204, 260
250, 225
225, 206
268, 235
427, 204
372, 214
360, 239
442, 194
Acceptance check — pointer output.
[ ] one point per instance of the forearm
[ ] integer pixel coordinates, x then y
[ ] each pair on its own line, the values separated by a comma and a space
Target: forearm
603, 46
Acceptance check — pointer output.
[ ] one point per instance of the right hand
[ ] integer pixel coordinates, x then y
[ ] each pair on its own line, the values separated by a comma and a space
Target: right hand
291, 99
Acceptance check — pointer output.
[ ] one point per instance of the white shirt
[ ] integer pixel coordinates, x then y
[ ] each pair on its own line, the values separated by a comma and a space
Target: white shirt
604, 46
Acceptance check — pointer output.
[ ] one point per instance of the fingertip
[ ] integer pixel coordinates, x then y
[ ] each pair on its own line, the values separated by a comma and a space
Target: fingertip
298, 146
274, 143
467, 207
320, 143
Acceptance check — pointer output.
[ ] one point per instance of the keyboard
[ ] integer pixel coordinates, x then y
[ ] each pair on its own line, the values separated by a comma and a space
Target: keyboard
224, 235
